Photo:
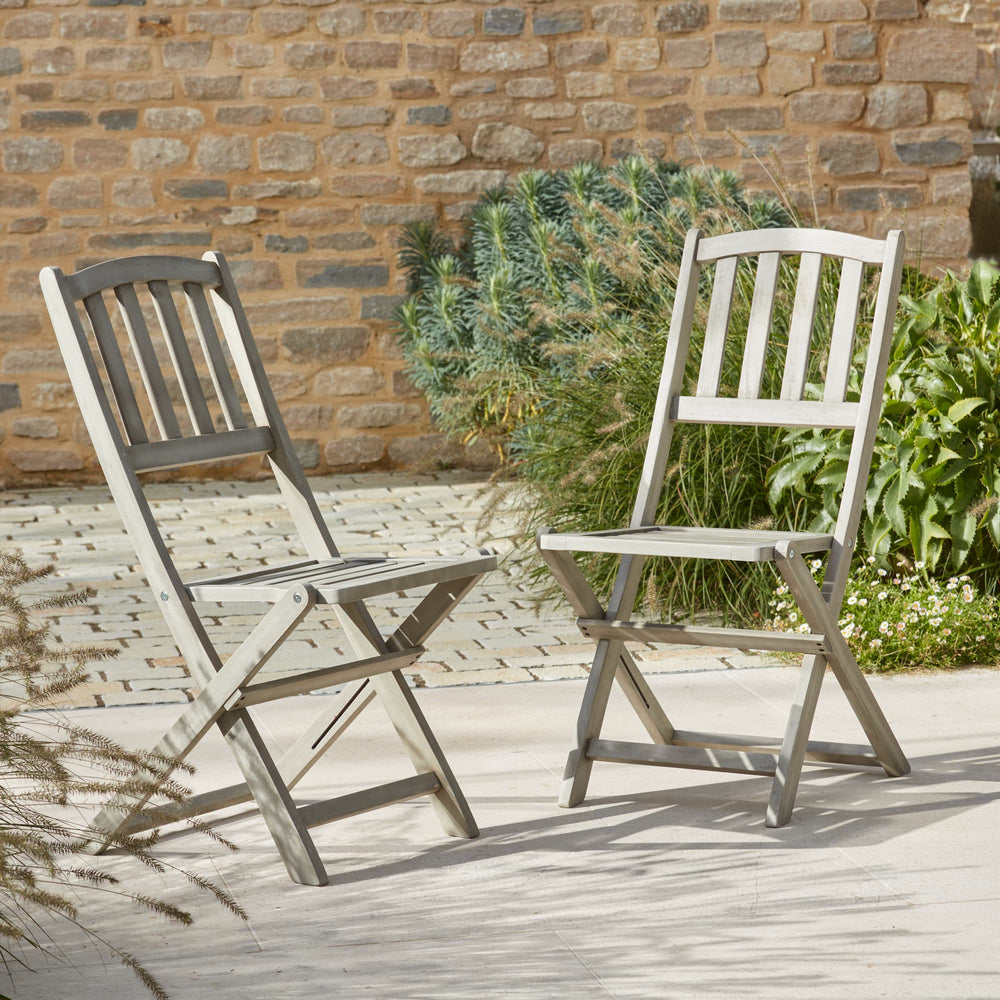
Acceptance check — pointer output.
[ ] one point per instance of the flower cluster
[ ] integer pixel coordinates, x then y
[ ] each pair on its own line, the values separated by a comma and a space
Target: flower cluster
904, 620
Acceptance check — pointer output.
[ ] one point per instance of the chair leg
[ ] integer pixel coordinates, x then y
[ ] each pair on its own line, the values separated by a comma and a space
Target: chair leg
273, 799
845, 668
408, 720
793, 747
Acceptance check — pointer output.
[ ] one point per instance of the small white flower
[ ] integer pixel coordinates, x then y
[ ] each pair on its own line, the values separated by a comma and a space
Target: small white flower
900, 627
882, 595
884, 628
935, 622
980, 638
816, 563
862, 600
870, 560
905, 586
882, 572
919, 564
852, 599
875, 643
946, 631
804, 627
967, 596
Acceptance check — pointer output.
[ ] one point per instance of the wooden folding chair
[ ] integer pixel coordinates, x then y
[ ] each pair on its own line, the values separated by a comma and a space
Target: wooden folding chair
610, 626
214, 427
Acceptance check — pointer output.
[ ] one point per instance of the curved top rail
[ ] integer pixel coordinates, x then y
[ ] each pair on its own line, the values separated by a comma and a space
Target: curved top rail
129, 270
823, 241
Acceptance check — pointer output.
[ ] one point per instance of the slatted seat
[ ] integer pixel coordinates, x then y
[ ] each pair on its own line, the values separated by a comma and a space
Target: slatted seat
760, 255
200, 398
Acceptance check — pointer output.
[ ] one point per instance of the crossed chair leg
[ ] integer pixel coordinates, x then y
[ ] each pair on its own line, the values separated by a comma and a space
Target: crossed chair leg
781, 758
226, 696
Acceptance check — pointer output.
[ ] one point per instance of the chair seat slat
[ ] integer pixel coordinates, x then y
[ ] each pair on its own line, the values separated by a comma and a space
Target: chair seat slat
149, 364
180, 354
717, 326
838, 367
800, 328
154, 456
759, 325
114, 365
763, 412
201, 315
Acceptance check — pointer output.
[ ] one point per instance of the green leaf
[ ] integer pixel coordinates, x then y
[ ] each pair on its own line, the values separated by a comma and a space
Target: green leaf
982, 277
963, 534
964, 407
786, 475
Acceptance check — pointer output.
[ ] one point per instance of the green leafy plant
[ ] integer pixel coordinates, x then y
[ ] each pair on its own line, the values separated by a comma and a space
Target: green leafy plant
933, 493
901, 619
48, 763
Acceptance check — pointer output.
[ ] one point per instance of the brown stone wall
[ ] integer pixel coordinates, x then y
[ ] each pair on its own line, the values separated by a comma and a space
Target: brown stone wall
296, 136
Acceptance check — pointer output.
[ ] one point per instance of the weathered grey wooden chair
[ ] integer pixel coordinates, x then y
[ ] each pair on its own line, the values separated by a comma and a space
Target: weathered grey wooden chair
126, 449
610, 626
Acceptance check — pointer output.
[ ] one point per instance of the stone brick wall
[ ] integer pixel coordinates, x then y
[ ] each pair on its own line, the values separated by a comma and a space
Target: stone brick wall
297, 135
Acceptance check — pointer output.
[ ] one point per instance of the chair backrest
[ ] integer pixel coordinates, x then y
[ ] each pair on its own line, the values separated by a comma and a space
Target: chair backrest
758, 255
127, 382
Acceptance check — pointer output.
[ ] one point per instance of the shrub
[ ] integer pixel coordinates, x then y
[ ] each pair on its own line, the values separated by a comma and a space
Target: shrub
932, 496
898, 619
46, 763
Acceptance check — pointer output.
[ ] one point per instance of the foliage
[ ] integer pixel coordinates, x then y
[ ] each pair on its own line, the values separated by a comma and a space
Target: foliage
549, 262
933, 493
48, 762
895, 619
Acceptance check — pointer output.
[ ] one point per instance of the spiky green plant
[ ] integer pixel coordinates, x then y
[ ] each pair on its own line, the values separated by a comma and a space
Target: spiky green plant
48, 764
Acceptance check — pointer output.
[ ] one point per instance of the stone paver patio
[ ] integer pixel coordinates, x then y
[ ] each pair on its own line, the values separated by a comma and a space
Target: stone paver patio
496, 636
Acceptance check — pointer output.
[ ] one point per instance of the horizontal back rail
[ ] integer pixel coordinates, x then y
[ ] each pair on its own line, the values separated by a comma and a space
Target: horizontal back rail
132, 270
791, 241
763, 412
154, 456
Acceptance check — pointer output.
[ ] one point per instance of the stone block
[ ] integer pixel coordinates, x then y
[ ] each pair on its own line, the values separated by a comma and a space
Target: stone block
247, 55
941, 146
451, 23
325, 345
76, 192
45, 121
489, 109
144, 90
854, 41
380, 415
431, 114
174, 119
395, 215
705, 147
159, 154
340, 21
759, 10
609, 116
31, 156
429, 58
846, 74
284, 87
321, 274
657, 86
286, 151
16, 193
531, 86
895, 10
431, 150
278, 23
586, 52
503, 57
845, 106
10, 396
35, 427
357, 380
637, 56
119, 120
182, 54
54, 62
584, 84
371, 55
380, 307
788, 74
952, 189
303, 114
561, 22
618, 19
503, 21
365, 185
397, 21
94, 24
313, 55
947, 236
195, 188
29, 359
845, 154
359, 449
84, 90
627, 146
878, 198
314, 309
318, 216
211, 88
896, 105
687, 53
403, 387
837, 10
218, 22
681, 16
342, 88
307, 416
740, 48
676, 118
412, 86
35, 25
363, 149
573, 151
744, 119
949, 104
547, 110
119, 58
358, 240
466, 88
275, 243
731, 84
44, 459
932, 55
132, 192
500, 143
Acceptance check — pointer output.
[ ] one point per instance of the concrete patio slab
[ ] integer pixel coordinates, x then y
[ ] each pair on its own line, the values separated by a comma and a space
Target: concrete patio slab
664, 885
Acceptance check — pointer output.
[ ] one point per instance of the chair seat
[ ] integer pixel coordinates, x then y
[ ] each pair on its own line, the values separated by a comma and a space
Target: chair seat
739, 544
340, 581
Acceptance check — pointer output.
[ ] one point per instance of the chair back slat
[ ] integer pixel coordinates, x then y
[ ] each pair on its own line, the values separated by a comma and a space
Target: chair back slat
717, 327
114, 366
800, 328
759, 325
218, 368
845, 322
180, 355
149, 364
